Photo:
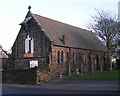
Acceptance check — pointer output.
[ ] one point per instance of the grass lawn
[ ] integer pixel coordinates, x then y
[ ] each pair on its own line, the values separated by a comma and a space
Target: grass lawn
108, 75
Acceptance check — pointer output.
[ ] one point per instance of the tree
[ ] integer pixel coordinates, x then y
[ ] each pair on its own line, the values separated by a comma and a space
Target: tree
6, 52
106, 28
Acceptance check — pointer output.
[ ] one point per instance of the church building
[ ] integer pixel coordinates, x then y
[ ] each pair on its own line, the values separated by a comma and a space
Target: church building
57, 48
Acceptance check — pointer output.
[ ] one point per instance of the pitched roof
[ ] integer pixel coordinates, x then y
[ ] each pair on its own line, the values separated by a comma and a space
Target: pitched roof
76, 37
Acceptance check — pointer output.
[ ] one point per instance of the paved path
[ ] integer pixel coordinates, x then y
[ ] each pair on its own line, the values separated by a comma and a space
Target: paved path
68, 86
85, 85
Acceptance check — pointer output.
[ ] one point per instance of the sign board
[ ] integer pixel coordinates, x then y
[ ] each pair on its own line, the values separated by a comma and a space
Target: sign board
28, 55
33, 63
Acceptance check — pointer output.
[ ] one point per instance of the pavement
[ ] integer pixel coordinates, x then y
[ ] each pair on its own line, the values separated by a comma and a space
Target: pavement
76, 85
89, 85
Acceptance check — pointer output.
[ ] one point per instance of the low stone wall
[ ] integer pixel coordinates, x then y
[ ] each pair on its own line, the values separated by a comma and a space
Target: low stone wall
26, 76
20, 76
29, 76
43, 76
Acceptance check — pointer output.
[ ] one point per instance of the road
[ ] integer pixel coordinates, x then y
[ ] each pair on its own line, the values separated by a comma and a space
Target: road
65, 87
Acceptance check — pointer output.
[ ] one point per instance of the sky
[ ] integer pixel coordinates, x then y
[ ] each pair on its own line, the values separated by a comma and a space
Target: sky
73, 12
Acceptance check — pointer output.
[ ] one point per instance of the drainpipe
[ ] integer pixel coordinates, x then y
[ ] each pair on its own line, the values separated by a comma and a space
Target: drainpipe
92, 62
69, 53
69, 70
101, 66
81, 67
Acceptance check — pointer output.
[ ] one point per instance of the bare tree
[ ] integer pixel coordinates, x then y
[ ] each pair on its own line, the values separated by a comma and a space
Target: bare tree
8, 54
106, 28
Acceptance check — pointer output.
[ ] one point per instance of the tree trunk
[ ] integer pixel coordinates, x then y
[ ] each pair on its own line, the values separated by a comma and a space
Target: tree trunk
109, 60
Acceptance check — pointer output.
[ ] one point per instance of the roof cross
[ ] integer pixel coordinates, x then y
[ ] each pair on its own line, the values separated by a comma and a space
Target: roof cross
29, 7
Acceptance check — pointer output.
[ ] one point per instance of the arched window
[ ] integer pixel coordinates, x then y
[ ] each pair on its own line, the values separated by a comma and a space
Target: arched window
58, 57
29, 45
104, 63
47, 59
62, 56
73, 56
80, 57
97, 63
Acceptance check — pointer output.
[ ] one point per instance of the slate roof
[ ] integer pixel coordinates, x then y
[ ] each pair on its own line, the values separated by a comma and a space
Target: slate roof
76, 37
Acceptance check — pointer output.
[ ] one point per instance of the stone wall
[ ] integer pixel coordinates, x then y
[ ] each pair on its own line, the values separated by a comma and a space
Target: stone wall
46, 53
42, 47
92, 60
43, 76
20, 76
35, 75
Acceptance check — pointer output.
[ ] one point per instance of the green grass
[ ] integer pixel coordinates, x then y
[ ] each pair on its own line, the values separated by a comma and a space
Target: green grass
108, 75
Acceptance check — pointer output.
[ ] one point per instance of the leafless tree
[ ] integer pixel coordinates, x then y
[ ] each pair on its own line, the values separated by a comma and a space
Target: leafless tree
106, 28
7, 53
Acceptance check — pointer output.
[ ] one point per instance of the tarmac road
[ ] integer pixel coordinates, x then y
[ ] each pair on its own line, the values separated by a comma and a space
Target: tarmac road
65, 87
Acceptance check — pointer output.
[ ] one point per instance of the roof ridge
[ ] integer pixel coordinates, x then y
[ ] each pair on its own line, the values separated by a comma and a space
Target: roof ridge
61, 22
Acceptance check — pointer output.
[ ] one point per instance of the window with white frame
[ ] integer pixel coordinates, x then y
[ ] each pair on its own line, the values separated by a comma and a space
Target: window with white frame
29, 45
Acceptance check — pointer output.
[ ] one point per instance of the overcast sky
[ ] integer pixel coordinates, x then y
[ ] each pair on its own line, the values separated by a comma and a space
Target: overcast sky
73, 12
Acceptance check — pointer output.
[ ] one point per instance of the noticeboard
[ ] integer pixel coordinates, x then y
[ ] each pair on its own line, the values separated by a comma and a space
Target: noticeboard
33, 63
28, 55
